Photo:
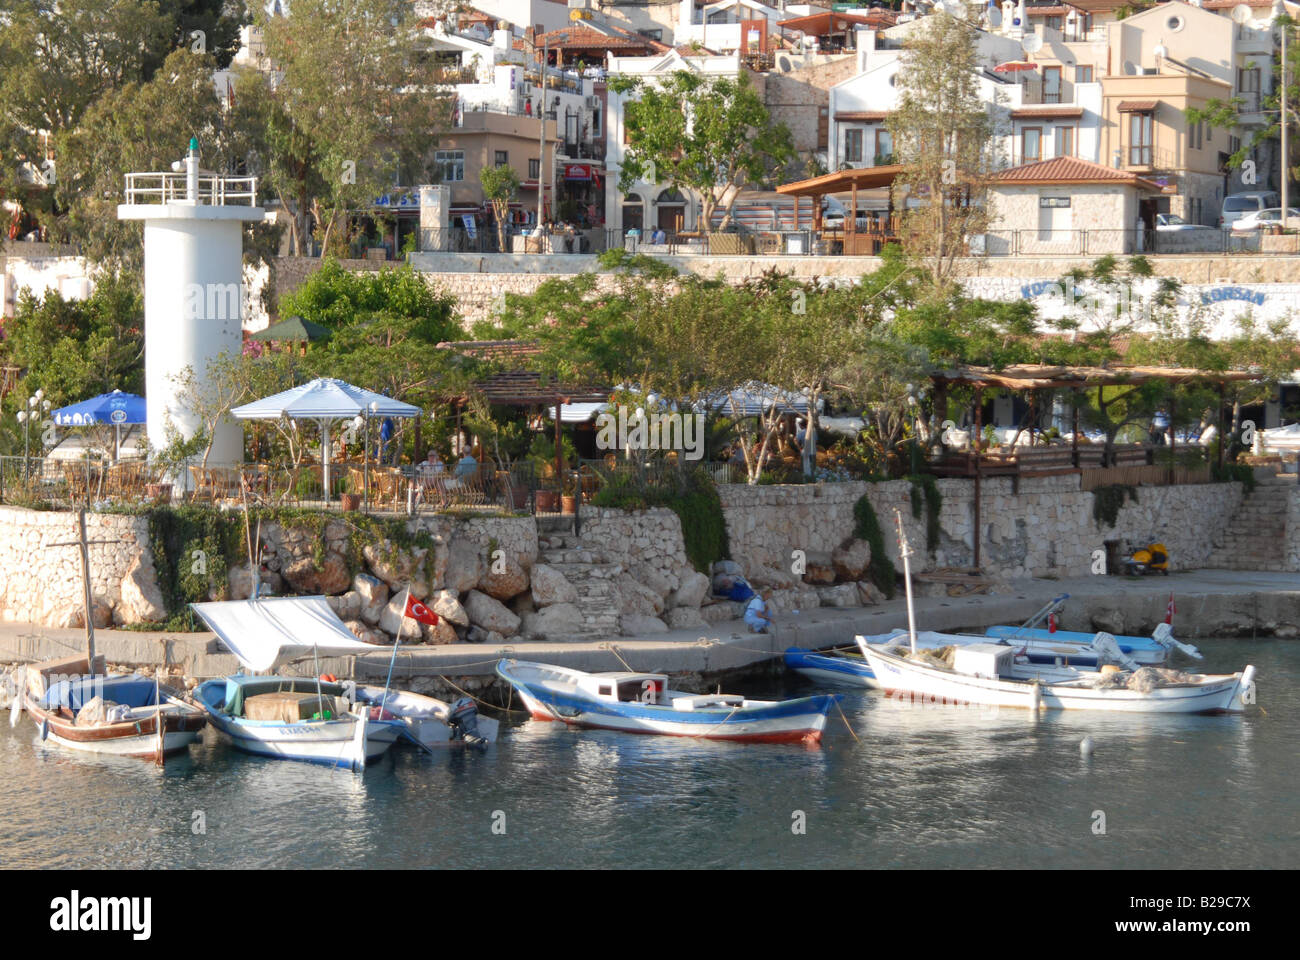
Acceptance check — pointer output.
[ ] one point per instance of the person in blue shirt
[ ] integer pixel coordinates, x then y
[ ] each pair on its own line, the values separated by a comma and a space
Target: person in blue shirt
758, 615
385, 435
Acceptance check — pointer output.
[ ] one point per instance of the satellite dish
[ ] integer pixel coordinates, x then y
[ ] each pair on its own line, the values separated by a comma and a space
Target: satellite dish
1241, 13
1032, 43
1161, 51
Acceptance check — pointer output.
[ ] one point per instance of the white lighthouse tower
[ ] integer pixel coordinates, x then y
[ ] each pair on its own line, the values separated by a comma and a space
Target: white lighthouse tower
193, 295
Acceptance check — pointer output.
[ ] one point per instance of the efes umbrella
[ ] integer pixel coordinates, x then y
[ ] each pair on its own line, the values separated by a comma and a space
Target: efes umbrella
295, 328
323, 400
117, 408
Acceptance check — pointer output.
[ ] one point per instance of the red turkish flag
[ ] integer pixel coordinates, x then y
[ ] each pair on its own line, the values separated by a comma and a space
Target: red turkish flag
419, 612
1170, 610
1051, 623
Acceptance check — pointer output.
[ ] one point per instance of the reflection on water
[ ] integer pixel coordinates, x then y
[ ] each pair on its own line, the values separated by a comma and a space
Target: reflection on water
922, 787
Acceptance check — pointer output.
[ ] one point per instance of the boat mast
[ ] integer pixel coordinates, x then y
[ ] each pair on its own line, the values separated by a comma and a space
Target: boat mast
85, 581
905, 551
83, 544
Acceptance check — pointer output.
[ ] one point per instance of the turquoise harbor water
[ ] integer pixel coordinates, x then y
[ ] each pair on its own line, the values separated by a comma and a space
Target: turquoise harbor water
924, 787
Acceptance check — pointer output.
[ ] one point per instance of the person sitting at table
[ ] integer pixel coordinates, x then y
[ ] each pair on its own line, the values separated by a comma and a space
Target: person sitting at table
432, 466
659, 236
467, 466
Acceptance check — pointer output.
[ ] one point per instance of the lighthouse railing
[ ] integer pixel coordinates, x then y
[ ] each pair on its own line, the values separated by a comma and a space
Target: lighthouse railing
165, 187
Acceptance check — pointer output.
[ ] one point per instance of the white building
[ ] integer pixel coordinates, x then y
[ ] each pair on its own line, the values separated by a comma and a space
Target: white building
651, 205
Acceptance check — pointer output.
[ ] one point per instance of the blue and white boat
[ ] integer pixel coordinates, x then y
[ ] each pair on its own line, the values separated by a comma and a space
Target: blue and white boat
643, 703
316, 719
1148, 651
848, 665
331, 732
1060, 648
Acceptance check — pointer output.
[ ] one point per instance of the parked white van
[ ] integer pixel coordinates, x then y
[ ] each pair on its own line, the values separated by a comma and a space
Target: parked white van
1238, 205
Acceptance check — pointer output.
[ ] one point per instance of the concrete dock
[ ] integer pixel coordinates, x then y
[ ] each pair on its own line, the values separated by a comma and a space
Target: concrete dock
1208, 602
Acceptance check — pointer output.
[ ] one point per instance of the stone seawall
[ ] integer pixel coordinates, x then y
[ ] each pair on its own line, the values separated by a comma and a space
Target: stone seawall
41, 583
465, 568
1046, 528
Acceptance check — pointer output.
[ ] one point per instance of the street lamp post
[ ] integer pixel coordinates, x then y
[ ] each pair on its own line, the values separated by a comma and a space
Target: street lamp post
36, 405
358, 422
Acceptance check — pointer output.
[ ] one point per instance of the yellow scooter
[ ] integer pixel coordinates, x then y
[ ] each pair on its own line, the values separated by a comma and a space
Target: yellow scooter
1153, 558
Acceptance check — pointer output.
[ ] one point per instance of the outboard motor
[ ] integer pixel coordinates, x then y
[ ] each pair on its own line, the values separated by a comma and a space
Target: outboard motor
1108, 651
1164, 635
462, 717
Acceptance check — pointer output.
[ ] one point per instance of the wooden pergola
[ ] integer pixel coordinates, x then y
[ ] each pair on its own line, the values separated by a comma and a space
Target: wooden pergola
521, 387
846, 181
1032, 378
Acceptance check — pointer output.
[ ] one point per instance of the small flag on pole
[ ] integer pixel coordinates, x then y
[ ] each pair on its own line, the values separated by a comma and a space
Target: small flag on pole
418, 612
1051, 623
1170, 610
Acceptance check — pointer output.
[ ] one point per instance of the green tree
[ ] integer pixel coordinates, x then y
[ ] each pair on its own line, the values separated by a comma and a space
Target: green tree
139, 126
357, 109
386, 327
943, 137
500, 184
75, 349
58, 59
711, 136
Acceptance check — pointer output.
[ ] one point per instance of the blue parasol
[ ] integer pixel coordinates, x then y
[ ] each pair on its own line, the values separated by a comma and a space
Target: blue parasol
116, 408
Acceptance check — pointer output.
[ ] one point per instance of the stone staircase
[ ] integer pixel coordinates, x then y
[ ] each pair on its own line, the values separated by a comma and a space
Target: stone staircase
1256, 537
591, 577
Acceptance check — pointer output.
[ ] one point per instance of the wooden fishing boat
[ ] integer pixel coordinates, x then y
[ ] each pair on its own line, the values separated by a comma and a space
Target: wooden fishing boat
123, 715
1080, 650
999, 675
316, 719
643, 703
300, 718
987, 674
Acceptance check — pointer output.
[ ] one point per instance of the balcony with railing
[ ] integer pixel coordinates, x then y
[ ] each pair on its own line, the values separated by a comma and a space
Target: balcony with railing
1139, 156
1037, 92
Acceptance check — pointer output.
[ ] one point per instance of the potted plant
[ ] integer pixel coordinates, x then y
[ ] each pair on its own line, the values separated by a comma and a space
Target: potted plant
349, 499
569, 495
548, 500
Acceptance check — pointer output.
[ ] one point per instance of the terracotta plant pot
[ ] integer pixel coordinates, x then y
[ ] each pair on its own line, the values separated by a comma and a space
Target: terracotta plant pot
158, 492
350, 501
570, 504
547, 501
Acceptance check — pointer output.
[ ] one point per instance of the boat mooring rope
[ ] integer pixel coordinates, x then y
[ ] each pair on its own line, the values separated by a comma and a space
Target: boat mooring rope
478, 700
846, 722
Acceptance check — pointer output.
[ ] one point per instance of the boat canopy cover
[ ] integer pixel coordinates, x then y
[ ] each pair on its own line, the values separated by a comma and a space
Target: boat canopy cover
131, 690
266, 633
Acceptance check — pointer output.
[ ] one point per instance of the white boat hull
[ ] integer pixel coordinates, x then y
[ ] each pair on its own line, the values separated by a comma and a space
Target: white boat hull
900, 677
331, 742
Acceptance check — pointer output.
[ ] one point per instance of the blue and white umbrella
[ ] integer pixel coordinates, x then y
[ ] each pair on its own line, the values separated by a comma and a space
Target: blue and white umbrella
117, 408
323, 400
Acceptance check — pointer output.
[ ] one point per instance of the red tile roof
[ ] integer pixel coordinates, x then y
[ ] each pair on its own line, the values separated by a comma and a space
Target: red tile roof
1137, 106
866, 115
1072, 170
